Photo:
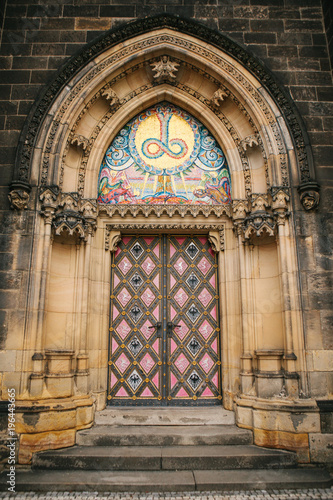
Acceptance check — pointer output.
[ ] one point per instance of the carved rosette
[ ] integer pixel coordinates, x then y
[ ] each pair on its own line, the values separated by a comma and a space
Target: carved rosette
68, 213
309, 194
19, 195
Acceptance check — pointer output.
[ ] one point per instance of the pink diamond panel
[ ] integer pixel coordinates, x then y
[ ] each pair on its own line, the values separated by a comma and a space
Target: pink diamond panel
204, 265
181, 363
146, 331
122, 363
206, 363
147, 362
182, 330
205, 297
124, 297
148, 266
123, 329
148, 297
181, 297
205, 329
125, 265
180, 266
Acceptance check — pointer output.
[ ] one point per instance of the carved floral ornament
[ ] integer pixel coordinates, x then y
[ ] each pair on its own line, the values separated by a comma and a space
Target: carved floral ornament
147, 26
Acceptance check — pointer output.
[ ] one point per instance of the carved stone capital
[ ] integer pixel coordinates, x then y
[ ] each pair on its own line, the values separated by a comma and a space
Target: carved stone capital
69, 201
309, 194
110, 96
259, 225
218, 97
19, 195
164, 69
49, 198
250, 141
280, 198
240, 208
80, 140
72, 223
259, 202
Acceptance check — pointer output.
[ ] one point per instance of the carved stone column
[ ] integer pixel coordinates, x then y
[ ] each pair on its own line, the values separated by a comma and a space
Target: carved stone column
240, 211
280, 198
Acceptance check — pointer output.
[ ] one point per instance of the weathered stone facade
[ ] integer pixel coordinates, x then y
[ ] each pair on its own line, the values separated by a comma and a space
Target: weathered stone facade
269, 103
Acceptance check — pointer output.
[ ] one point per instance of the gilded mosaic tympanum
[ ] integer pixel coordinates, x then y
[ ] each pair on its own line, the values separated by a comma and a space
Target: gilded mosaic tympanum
164, 156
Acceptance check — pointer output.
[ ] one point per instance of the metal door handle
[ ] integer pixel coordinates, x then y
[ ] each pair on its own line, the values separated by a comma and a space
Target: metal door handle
157, 327
170, 327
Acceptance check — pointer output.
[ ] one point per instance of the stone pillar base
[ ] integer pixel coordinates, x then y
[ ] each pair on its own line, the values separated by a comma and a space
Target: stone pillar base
50, 424
280, 423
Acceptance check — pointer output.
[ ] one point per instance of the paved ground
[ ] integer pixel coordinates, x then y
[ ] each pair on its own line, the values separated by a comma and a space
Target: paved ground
309, 494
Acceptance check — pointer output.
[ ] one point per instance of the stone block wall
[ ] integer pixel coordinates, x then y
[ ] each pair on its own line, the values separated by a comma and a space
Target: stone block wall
292, 37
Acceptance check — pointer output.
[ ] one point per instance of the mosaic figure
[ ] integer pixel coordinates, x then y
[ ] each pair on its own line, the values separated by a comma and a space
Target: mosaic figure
164, 155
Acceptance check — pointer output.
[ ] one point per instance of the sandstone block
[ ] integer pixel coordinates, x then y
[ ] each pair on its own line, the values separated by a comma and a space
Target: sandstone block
31, 443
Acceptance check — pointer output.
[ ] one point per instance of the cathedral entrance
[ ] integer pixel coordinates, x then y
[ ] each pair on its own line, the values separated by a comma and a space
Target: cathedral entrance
164, 333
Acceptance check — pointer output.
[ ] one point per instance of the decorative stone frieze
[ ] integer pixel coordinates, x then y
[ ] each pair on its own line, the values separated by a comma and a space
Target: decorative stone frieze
164, 69
309, 194
19, 195
169, 210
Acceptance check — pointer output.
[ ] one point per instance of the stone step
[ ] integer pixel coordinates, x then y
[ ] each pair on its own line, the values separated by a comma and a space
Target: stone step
160, 481
163, 435
138, 458
208, 415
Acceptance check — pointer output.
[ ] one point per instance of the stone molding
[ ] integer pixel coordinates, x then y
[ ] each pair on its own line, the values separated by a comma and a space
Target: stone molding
169, 210
114, 229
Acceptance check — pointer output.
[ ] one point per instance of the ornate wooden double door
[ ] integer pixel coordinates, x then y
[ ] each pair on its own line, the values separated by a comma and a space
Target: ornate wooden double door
164, 334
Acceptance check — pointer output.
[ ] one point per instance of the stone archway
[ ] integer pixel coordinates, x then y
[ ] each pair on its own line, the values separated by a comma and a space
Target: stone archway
70, 127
